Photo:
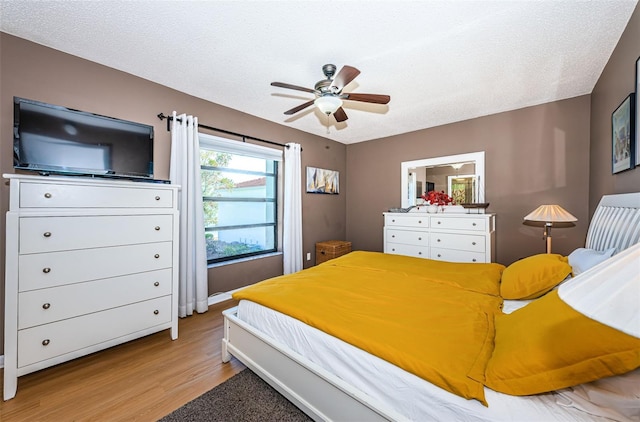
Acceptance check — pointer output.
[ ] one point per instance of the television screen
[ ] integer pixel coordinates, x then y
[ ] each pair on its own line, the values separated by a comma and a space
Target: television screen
54, 139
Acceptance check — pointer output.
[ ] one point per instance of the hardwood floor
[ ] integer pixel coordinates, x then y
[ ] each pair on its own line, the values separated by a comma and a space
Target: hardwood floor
142, 380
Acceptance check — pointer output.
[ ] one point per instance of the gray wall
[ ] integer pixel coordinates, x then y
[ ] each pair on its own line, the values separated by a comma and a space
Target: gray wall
533, 156
552, 153
616, 82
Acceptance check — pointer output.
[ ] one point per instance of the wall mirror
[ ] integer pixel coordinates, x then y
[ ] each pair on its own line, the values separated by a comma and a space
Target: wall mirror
461, 176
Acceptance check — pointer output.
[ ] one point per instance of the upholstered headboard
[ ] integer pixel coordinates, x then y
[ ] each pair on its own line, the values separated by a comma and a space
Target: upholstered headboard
616, 222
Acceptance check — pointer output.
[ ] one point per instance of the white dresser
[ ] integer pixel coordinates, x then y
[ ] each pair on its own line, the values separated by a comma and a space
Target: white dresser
90, 264
445, 237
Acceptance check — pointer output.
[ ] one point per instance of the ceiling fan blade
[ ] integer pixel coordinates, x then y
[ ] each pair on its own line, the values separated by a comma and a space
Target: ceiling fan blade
296, 87
367, 98
300, 107
346, 75
340, 115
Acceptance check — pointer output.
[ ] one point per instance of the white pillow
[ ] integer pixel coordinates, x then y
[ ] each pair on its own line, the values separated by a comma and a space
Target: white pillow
582, 259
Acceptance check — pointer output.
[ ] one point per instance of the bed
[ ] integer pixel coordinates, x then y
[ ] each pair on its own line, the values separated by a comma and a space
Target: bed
331, 379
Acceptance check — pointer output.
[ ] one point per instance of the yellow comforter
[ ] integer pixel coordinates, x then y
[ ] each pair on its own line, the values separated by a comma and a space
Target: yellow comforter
421, 315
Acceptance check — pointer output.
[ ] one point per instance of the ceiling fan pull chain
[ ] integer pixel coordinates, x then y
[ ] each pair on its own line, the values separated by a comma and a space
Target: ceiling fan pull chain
328, 133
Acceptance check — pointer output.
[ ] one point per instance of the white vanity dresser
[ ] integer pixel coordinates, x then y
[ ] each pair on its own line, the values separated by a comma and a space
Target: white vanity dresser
90, 263
442, 236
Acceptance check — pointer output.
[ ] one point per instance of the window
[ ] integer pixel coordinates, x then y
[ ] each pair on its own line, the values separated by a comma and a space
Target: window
240, 198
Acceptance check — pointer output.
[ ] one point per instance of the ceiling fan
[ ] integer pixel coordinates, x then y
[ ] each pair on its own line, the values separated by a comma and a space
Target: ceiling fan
329, 95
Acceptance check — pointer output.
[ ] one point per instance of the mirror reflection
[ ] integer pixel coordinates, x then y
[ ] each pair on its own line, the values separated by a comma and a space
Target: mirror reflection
460, 176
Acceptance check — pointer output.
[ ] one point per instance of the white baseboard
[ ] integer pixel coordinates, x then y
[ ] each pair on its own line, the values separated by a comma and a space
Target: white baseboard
221, 297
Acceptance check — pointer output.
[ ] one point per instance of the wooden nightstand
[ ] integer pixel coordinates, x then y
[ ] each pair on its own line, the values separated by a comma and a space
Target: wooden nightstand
331, 249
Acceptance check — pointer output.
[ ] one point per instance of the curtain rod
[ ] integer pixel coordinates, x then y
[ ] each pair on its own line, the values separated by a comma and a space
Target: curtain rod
161, 116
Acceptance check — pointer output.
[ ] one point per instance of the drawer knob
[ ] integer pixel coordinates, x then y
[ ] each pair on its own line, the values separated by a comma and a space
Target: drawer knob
46, 342
419, 238
473, 224
439, 222
393, 221
46, 270
157, 228
157, 256
47, 234
393, 235
474, 260
157, 198
393, 249
438, 240
419, 253
47, 195
46, 306
157, 283
156, 312
473, 243
419, 221
439, 256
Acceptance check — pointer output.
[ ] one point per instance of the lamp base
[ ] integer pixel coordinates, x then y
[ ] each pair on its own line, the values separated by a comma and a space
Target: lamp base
547, 236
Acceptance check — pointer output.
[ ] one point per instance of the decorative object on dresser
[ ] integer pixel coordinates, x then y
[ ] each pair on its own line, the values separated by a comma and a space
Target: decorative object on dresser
331, 249
89, 264
550, 215
450, 237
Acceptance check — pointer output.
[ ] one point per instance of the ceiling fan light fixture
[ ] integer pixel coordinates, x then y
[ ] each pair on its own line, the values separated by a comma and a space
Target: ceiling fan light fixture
328, 104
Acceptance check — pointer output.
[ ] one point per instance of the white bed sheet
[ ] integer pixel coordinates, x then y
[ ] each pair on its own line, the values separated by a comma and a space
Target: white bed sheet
397, 389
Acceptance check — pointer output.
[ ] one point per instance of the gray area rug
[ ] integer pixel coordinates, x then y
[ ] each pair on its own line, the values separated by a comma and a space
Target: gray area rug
245, 397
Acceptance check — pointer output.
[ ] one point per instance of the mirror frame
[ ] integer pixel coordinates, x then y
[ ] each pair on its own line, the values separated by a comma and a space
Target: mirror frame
477, 157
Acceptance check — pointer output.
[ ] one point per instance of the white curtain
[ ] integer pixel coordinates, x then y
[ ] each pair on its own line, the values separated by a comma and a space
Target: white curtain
292, 232
184, 171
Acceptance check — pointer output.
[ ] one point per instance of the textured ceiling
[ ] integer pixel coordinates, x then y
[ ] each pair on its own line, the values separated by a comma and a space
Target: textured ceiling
440, 61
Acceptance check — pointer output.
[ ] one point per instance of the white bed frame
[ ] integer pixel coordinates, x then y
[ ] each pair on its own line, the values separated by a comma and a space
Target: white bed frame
324, 396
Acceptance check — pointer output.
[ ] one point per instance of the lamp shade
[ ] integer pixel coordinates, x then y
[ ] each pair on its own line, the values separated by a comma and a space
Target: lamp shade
550, 214
328, 104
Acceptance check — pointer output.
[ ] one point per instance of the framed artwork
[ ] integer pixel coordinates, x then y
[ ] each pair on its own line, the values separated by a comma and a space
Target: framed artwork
623, 136
323, 181
637, 145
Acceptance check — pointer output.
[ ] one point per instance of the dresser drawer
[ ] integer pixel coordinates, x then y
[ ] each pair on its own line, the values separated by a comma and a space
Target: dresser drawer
49, 234
410, 237
462, 242
409, 250
458, 256
48, 341
42, 306
406, 220
452, 223
50, 195
42, 270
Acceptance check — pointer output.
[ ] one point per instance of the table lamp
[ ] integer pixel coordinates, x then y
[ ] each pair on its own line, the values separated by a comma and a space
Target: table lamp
549, 214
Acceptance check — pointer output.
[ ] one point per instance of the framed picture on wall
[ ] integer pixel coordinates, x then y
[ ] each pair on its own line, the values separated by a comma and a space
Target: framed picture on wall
637, 145
623, 136
323, 181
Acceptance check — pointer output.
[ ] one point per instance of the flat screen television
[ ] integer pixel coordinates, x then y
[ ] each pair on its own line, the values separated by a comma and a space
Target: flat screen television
51, 139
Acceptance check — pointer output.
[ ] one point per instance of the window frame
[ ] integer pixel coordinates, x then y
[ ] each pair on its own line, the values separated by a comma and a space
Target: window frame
223, 145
